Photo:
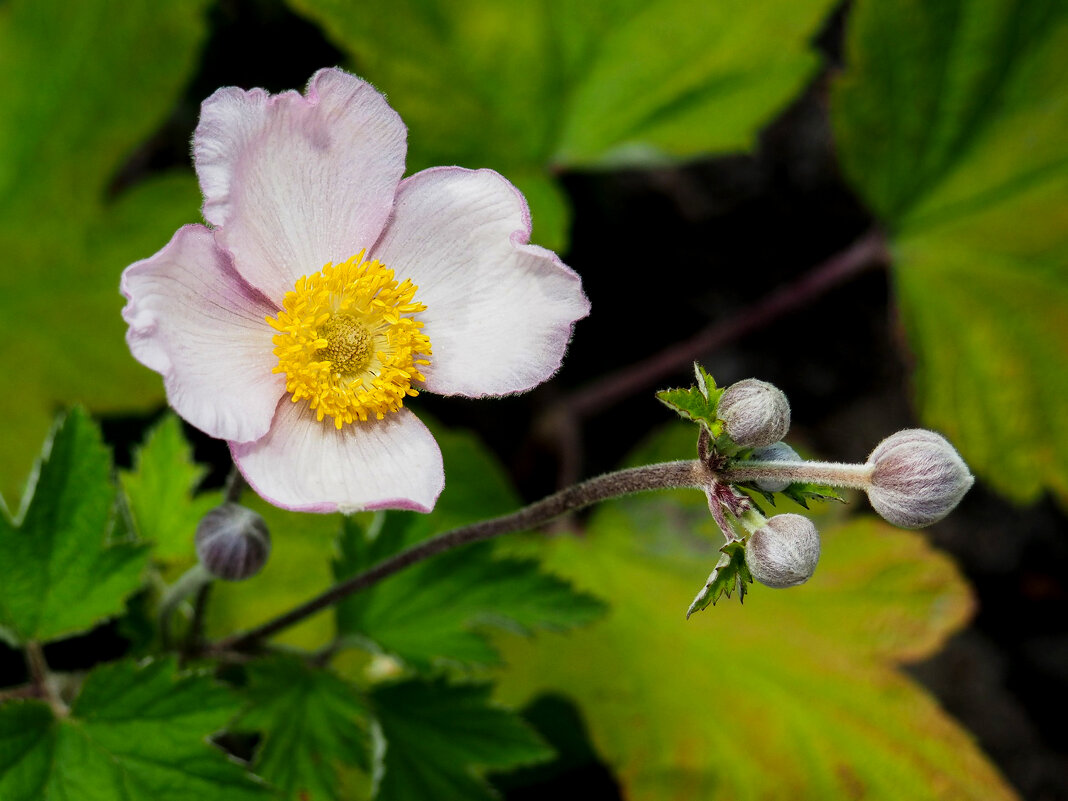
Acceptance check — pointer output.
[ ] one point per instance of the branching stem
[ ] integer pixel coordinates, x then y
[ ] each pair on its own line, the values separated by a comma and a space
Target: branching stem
666, 475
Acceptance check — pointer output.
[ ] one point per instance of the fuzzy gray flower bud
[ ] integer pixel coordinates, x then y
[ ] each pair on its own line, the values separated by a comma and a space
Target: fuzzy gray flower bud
232, 542
783, 553
777, 452
755, 413
917, 478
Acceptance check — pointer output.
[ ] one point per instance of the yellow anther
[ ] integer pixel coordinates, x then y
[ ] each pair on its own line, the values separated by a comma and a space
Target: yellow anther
346, 341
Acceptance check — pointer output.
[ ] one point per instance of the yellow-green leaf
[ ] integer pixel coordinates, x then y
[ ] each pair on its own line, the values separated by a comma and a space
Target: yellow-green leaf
797, 694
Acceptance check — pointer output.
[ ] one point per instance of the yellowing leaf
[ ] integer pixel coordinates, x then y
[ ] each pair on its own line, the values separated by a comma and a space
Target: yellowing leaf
797, 694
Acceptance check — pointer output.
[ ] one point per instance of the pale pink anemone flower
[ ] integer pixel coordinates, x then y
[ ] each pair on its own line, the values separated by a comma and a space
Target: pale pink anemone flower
328, 291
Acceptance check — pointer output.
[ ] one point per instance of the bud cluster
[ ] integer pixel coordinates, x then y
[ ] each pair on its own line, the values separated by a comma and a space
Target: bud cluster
913, 478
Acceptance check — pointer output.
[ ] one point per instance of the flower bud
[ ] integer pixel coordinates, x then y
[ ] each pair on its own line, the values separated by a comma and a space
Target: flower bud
232, 542
777, 452
917, 478
783, 553
755, 413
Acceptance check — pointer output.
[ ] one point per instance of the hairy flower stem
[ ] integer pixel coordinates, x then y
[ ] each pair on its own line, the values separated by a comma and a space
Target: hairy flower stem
666, 475
836, 474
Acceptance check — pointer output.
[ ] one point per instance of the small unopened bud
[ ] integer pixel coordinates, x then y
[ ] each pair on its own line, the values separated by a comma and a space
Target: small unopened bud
917, 478
783, 553
755, 413
777, 452
232, 542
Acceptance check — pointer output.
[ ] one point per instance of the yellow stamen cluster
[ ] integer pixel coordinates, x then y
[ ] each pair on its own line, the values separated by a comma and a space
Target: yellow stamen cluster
345, 343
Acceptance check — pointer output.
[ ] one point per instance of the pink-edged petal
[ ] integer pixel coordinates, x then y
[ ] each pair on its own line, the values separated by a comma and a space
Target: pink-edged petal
311, 466
292, 182
193, 319
499, 312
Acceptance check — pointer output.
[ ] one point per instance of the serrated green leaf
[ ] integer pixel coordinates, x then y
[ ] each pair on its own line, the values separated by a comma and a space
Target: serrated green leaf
311, 721
731, 574
134, 733
816, 704
83, 86
527, 88
160, 492
440, 737
697, 403
59, 574
801, 492
438, 610
950, 120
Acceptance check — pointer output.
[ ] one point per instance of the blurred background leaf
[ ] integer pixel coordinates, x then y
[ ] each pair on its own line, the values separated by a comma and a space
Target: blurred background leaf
532, 88
84, 84
797, 694
951, 119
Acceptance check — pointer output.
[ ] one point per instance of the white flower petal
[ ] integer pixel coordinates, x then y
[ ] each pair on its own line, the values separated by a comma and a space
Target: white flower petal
311, 466
499, 312
293, 182
193, 319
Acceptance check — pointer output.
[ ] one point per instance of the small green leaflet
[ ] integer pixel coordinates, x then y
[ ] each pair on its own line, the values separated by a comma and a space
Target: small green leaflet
800, 492
311, 722
439, 610
731, 573
440, 737
698, 403
159, 491
59, 571
134, 733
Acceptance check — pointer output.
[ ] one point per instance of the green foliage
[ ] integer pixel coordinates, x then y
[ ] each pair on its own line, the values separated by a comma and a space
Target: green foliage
800, 492
160, 492
440, 736
134, 733
311, 722
59, 572
83, 86
697, 403
807, 678
438, 609
528, 88
951, 122
729, 575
